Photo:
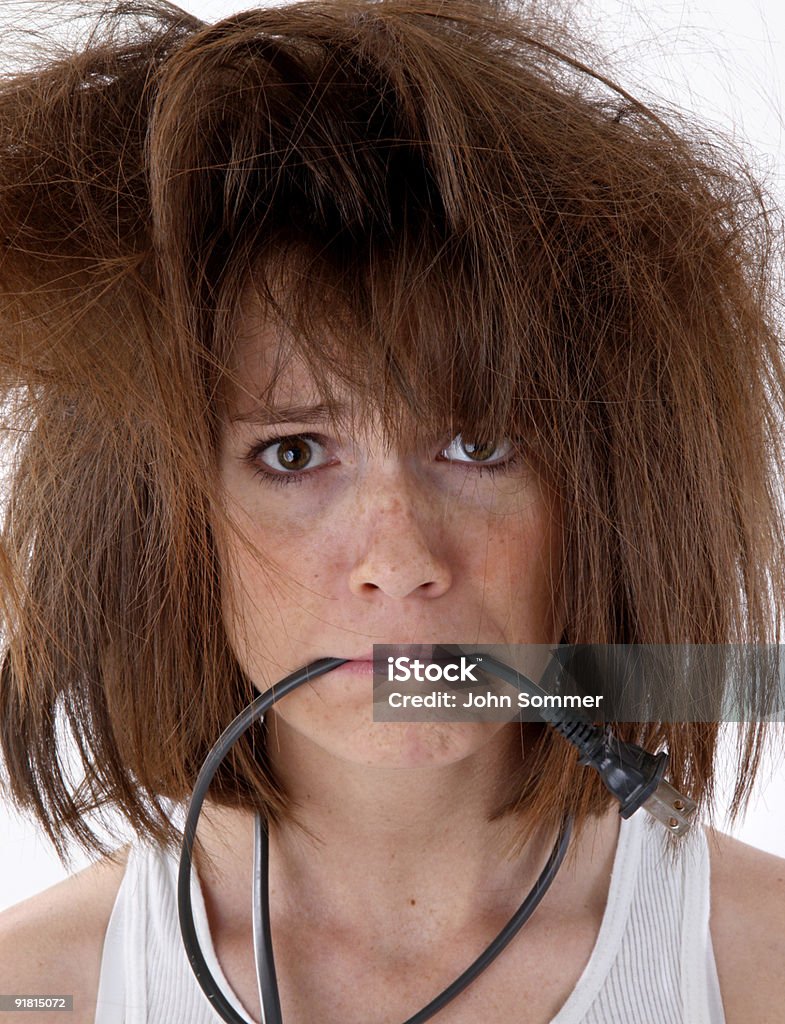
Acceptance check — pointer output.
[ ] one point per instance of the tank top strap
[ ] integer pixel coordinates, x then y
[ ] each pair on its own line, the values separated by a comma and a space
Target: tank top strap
700, 983
653, 958
119, 998
624, 876
145, 974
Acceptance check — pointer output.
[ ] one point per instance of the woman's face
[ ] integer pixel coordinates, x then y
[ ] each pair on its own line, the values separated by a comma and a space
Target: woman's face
366, 545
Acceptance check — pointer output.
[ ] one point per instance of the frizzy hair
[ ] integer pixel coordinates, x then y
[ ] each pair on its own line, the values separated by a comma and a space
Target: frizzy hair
452, 214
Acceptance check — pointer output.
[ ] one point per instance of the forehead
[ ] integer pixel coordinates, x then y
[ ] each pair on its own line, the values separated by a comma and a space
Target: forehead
270, 379
265, 364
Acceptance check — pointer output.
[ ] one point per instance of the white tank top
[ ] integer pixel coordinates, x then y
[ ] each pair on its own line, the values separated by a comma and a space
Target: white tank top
652, 960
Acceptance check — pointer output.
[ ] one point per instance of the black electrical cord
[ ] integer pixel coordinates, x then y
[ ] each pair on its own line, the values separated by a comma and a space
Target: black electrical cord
271, 1011
266, 978
632, 775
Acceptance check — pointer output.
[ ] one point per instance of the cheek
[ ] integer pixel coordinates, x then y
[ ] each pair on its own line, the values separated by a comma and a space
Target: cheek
270, 587
519, 567
285, 554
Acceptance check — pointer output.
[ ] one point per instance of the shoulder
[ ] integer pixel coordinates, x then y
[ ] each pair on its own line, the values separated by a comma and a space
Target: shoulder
52, 942
748, 929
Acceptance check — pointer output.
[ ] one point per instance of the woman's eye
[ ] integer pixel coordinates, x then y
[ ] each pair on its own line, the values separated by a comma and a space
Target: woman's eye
290, 454
480, 452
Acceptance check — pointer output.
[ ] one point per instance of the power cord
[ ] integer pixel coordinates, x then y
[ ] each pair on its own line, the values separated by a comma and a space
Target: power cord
632, 775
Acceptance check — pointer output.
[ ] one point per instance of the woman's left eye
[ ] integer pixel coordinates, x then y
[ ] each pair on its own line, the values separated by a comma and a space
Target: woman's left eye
478, 452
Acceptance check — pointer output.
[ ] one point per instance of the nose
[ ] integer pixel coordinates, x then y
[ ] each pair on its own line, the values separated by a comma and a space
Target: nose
401, 547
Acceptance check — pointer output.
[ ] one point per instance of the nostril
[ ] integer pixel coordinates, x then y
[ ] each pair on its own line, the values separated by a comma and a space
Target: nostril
399, 558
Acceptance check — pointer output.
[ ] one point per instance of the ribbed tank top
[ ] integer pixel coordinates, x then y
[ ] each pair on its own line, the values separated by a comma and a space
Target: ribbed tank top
652, 960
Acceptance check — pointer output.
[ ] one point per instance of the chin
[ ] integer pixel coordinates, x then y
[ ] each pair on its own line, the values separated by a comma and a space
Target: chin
400, 745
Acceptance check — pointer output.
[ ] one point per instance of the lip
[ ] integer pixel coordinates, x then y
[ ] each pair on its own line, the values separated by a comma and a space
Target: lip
426, 650
357, 666
363, 665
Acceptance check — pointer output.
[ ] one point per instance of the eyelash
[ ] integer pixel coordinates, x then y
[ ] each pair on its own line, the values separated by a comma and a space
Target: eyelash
284, 479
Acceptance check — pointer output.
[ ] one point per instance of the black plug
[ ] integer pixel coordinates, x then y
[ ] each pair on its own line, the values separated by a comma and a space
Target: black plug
631, 774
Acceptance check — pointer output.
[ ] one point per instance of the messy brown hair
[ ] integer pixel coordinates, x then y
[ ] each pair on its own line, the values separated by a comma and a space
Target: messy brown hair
489, 233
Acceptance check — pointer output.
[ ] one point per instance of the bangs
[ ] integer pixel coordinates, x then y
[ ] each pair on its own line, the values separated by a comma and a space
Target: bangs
405, 338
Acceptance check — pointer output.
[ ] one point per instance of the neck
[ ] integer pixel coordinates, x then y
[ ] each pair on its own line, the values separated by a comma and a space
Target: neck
404, 831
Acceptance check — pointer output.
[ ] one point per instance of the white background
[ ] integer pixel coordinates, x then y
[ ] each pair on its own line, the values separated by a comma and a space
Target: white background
726, 62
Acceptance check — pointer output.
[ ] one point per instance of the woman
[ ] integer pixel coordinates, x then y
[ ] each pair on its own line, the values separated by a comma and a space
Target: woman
268, 288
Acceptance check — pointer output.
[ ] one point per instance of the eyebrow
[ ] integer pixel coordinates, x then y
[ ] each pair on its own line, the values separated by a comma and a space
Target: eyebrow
269, 415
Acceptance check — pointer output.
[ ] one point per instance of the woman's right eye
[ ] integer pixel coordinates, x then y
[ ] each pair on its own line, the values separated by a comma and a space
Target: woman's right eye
284, 458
